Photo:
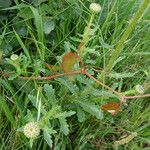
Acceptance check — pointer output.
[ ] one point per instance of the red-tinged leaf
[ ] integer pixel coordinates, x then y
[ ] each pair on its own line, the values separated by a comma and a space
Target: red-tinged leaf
68, 61
112, 107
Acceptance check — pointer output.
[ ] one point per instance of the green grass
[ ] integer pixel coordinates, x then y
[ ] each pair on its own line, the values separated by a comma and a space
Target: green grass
69, 112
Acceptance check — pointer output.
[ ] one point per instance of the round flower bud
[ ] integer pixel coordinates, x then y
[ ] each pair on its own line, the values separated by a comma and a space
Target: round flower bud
139, 89
31, 130
95, 7
14, 57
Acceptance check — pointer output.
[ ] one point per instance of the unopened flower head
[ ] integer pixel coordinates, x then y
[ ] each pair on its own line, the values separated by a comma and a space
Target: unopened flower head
139, 89
31, 130
95, 7
14, 57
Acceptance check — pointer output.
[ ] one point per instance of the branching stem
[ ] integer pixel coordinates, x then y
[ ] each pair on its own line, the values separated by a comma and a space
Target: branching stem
84, 72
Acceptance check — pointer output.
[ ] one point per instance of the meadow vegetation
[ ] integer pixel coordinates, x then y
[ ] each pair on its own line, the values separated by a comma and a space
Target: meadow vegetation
74, 75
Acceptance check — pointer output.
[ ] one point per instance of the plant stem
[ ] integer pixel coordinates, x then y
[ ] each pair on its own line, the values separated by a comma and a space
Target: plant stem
86, 35
107, 87
130, 92
52, 76
138, 96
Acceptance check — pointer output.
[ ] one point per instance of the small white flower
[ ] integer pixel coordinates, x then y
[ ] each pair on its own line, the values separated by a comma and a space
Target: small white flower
31, 130
95, 7
14, 57
139, 89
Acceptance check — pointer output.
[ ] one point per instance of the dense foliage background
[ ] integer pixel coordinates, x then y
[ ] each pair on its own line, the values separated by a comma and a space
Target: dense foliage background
41, 32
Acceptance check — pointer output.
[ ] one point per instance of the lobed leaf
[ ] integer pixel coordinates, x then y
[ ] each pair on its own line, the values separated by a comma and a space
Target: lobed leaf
50, 93
92, 109
64, 126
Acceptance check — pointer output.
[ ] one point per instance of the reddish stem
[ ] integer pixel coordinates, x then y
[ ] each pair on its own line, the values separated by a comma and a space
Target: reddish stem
107, 87
52, 76
138, 96
82, 71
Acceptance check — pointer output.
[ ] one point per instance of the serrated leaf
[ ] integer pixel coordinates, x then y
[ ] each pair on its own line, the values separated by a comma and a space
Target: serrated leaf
72, 88
50, 115
96, 92
121, 75
92, 109
29, 117
80, 114
68, 46
64, 126
118, 60
65, 114
68, 61
48, 138
50, 93
33, 100
48, 131
53, 112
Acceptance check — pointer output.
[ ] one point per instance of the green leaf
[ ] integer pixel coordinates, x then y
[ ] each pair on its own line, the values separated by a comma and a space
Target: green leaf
48, 138
65, 114
50, 93
38, 23
5, 3
38, 2
64, 126
80, 114
7, 111
29, 117
22, 45
40, 32
72, 88
26, 13
33, 100
20, 6
49, 25
68, 46
118, 60
31, 142
51, 114
121, 75
13, 76
92, 109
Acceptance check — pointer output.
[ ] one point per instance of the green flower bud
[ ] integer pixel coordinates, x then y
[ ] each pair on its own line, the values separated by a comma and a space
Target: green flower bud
14, 57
